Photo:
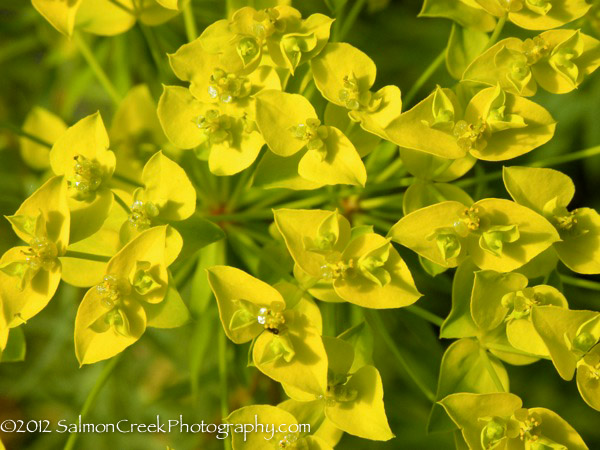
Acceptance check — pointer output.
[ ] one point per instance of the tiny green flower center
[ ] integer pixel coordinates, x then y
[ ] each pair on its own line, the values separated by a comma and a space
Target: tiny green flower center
41, 254
313, 133
142, 214
519, 69
470, 135
215, 126
270, 319
248, 48
535, 49
227, 87
584, 341
521, 302
492, 433
339, 393
539, 6
111, 290
86, 179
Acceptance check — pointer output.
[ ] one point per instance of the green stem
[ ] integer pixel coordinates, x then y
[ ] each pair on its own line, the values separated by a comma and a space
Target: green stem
424, 314
88, 256
93, 395
87, 54
491, 370
153, 46
390, 170
376, 202
497, 31
509, 349
551, 161
120, 5
580, 283
568, 157
191, 30
378, 325
241, 217
19, 132
351, 18
122, 203
126, 180
429, 71
223, 381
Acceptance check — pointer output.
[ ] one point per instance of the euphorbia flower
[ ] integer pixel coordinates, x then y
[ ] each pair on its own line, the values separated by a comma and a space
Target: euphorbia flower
167, 195
549, 192
232, 143
278, 417
495, 126
504, 300
285, 327
210, 82
345, 75
498, 234
537, 14
291, 41
365, 270
81, 154
105, 17
556, 60
291, 129
498, 420
571, 337
29, 275
351, 397
134, 294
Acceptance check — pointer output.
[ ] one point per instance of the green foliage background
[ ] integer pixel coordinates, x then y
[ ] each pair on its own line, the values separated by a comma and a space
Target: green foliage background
175, 372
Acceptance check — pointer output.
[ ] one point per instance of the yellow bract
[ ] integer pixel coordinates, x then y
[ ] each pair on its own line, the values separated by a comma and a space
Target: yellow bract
345, 75
29, 275
497, 234
105, 17
284, 325
113, 314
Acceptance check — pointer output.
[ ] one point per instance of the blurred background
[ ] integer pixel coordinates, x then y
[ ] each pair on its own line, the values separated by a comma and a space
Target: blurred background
173, 372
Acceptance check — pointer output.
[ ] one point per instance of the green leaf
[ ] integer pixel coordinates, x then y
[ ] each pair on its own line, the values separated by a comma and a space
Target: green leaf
15, 346
464, 45
196, 233
463, 370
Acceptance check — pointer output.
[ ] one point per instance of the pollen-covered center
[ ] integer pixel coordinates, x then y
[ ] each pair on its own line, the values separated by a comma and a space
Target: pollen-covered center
535, 49
356, 98
216, 127
529, 428
227, 87
41, 254
312, 132
111, 290
86, 178
272, 320
142, 213
335, 270
470, 135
